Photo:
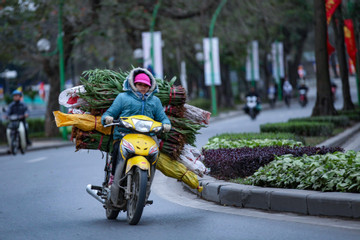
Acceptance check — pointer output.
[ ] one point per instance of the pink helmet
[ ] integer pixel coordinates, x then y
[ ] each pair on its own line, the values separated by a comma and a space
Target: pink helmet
142, 78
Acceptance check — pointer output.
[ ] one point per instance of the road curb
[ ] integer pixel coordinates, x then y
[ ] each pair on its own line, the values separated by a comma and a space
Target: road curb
36, 148
306, 202
341, 138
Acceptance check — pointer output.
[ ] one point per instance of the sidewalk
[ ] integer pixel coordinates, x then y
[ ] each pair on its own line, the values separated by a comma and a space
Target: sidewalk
40, 144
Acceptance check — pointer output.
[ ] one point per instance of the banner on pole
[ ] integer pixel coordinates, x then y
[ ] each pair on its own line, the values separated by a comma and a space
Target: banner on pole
350, 39
216, 61
252, 62
277, 52
155, 67
331, 6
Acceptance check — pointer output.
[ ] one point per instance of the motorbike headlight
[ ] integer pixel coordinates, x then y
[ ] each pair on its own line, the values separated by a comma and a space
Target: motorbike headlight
142, 125
126, 124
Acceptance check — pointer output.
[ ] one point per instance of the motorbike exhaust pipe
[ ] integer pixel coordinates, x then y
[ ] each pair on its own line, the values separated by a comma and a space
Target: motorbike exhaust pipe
93, 193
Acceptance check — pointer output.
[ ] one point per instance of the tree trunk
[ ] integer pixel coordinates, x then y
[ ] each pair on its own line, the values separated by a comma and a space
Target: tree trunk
338, 26
324, 104
52, 71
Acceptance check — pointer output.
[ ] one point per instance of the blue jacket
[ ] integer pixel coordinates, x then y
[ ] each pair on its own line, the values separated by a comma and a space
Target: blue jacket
131, 102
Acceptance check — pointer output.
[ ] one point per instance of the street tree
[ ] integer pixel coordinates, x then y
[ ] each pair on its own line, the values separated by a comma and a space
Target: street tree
338, 26
24, 25
324, 103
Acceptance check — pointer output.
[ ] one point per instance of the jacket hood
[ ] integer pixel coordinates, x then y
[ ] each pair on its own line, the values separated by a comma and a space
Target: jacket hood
129, 82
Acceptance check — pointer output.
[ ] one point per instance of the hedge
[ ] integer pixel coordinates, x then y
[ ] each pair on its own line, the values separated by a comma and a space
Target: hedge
36, 125
300, 128
251, 136
341, 120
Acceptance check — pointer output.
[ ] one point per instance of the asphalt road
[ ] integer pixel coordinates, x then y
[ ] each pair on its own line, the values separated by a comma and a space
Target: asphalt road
42, 196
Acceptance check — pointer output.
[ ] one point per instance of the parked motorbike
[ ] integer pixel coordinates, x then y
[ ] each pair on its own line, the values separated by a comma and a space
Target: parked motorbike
252, 107
16, 135
130, 189
302, 97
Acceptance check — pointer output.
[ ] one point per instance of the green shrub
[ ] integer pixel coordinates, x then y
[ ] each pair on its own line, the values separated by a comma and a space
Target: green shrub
300, 128
216, 143
331, 172
36, 125
353, 115
341, 121
250, 136
201, 103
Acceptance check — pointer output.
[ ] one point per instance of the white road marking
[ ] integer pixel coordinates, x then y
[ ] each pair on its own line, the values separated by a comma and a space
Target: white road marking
36, 160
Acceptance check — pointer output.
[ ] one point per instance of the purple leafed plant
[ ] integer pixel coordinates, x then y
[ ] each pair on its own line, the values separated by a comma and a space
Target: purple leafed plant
243, 162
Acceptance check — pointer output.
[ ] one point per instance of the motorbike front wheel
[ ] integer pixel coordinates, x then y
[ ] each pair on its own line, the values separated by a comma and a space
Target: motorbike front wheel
14, 143
112, 214
136, 203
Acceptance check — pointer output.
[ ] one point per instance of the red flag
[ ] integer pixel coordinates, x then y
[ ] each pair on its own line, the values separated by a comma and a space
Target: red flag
350, 39
331, 6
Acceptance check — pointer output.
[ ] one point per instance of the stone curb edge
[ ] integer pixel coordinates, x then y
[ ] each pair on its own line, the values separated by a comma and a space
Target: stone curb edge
315, 203
65, 144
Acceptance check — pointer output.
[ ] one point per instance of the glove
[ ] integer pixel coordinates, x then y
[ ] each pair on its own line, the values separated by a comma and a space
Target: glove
167, 128
108, 119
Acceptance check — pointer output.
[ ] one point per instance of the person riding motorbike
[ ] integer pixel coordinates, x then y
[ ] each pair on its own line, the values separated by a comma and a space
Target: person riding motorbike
19, 108
253, 93
287, 89
272, 94
303, 89
138, 99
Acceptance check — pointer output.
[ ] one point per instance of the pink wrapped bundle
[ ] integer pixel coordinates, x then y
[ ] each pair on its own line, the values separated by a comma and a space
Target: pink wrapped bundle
196, 114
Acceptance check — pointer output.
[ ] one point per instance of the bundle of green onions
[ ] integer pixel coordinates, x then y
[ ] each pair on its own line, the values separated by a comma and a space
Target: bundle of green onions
91, 140
103, 85
173, 144
175, 111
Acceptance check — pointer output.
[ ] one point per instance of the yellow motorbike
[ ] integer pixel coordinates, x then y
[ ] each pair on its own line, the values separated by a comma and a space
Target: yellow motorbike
138, 154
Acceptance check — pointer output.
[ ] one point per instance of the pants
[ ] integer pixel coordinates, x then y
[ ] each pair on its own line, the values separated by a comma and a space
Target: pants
115, 157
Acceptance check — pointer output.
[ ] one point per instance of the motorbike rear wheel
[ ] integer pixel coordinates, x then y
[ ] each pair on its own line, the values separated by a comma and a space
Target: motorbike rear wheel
136, 203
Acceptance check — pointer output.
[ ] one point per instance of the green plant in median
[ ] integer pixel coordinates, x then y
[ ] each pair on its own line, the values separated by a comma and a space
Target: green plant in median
216, 143
340, 120
250, 136
331, 172
300, 128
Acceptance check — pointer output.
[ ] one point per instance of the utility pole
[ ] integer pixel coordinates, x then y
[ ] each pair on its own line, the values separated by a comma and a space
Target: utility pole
61, 59
211, 31
152, 26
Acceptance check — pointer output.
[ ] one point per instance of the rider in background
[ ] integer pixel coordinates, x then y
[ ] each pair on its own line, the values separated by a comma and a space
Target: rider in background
19, 108
287, 90
253, 93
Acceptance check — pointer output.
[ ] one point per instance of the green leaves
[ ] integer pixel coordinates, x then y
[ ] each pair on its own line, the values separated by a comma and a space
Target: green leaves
331, 172
215, 143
